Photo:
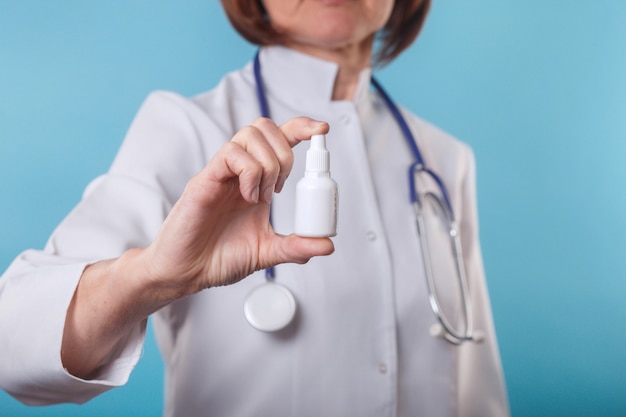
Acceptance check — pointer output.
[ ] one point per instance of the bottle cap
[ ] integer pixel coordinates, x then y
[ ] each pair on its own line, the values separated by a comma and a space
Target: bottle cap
318, 157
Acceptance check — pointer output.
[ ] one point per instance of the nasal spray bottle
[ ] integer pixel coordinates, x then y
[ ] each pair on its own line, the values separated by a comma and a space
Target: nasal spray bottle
316, 194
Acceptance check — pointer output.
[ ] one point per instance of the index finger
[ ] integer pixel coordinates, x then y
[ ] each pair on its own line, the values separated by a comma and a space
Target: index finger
302, 128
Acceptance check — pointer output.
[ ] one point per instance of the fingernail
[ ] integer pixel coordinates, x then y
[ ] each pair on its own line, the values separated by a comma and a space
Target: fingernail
318, 124
280, 183
255, 195
268, 193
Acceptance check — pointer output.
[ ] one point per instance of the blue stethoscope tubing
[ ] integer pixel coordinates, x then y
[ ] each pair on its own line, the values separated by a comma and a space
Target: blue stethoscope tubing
443, 328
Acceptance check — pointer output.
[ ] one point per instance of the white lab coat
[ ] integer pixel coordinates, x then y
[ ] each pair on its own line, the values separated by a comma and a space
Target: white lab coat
360, 344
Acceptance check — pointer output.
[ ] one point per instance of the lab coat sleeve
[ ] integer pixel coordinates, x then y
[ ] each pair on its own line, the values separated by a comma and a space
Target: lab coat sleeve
481, 389
120, 210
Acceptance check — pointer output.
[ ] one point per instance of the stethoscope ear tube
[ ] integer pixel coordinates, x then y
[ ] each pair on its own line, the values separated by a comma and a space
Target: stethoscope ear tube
437, 330
443, 328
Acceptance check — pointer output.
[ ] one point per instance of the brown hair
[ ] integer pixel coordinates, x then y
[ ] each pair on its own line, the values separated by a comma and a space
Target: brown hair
249, 18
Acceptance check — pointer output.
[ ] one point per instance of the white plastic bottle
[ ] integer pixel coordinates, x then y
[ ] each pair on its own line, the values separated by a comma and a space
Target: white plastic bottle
316, 194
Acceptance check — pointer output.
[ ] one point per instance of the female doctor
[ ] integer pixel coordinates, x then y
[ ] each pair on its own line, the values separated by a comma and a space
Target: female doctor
179, 228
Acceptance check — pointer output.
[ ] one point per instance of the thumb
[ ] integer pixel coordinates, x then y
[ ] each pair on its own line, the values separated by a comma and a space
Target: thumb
297, 249
302, 128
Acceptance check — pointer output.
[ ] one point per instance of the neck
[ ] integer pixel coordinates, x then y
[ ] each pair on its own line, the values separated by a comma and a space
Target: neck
352, 59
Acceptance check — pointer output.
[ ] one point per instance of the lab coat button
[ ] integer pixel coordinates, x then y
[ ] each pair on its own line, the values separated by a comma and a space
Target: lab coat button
382, 368
371, 235
345, 119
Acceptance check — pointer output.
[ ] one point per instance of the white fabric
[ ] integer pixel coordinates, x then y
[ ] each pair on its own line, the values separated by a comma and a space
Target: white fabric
360, 344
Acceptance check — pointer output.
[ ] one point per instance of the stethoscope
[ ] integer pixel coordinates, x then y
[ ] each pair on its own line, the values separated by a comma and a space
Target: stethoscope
271, 306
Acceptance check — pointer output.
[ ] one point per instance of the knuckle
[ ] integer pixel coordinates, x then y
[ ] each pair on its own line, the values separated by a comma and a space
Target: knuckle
231, 146
272, 172
286, 158
263, 123
251, 173
246, 134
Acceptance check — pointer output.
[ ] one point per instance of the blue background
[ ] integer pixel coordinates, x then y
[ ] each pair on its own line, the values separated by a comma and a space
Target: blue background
538, 88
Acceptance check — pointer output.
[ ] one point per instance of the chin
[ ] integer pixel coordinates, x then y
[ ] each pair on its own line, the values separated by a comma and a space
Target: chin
334, 34
334, 2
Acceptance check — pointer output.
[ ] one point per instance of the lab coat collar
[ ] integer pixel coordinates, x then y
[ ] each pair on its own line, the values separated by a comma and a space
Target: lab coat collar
290, 76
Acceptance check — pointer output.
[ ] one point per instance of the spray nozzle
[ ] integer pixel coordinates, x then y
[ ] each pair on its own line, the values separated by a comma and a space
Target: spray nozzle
318, 157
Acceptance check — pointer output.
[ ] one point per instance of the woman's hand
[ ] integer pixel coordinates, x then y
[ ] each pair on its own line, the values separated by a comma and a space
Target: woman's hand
219, 230
216, 234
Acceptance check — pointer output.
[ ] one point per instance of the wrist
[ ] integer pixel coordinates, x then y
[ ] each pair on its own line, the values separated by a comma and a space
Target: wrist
145, 289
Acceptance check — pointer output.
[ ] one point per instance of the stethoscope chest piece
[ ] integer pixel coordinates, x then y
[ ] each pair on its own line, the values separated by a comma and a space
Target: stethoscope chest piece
270, 307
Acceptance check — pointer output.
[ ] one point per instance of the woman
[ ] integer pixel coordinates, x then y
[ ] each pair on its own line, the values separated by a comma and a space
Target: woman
182, 217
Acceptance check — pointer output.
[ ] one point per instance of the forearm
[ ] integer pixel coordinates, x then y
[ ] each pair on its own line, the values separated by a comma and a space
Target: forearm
112, 299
